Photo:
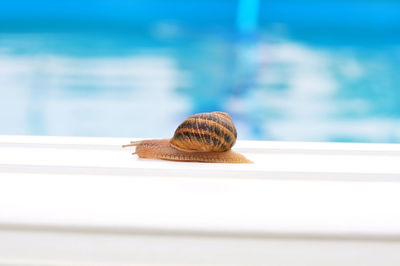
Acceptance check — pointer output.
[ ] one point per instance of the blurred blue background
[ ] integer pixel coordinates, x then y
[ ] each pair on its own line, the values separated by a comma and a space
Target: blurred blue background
284, 70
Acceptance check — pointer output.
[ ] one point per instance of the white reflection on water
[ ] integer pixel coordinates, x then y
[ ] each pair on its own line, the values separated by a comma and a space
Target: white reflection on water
296, 89
60, 95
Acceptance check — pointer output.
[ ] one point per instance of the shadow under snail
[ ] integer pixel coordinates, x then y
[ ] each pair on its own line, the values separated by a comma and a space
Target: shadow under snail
203, 137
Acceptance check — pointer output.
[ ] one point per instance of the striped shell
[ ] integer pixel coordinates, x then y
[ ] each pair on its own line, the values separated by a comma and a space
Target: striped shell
205, 132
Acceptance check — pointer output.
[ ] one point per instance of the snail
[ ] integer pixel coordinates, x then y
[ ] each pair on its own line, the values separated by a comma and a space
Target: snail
203, 137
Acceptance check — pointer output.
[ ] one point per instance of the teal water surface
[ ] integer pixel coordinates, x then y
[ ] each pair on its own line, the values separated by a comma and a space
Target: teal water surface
282, 83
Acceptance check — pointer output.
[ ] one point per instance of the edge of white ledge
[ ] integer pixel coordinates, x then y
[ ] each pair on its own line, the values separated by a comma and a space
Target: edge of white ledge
241, 144
292, 189
304, 160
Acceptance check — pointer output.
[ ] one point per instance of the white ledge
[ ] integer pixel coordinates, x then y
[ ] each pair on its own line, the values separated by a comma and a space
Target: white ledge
92, 182
52, 187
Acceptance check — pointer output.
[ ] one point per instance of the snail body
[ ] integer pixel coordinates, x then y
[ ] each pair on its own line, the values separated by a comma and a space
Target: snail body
203, 137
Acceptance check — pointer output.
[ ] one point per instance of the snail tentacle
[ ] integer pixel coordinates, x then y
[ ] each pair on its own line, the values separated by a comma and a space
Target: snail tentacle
131, 144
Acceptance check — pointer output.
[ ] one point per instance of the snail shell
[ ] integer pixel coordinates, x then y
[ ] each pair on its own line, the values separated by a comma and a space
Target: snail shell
203, 137
205, 132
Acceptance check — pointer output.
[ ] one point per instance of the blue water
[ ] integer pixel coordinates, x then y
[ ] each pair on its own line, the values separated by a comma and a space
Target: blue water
286, 81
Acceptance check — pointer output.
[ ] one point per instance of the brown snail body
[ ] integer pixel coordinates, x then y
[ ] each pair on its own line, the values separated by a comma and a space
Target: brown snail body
203, 137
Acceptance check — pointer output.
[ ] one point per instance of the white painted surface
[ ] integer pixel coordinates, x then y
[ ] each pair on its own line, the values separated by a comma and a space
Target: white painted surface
77, 200
55, 248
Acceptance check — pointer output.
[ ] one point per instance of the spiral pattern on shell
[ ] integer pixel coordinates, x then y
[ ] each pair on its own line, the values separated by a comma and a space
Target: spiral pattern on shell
205, 132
